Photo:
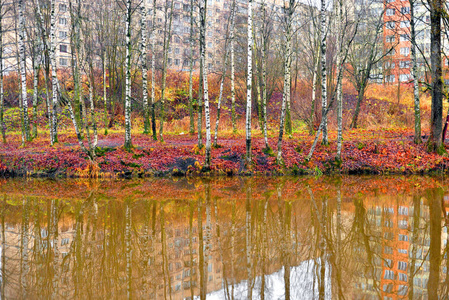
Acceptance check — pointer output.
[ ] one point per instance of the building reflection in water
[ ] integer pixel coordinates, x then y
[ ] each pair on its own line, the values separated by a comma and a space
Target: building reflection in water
231, 239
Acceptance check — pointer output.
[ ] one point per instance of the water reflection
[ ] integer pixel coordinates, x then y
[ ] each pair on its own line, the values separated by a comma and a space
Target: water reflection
355, 238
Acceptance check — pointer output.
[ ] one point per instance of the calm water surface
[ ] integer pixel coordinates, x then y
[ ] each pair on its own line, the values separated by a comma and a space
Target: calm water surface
269, 238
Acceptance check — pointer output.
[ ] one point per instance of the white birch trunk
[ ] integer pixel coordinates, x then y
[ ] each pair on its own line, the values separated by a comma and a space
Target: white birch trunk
249, 83
203, 14
314, 83
54, 78
417, 138
36, 68
339, 80
264, 76
128, 143
2, 122
153, 71
191, 62
143, 55
105, 95
287, 64
232, 38
323, 70
26, 122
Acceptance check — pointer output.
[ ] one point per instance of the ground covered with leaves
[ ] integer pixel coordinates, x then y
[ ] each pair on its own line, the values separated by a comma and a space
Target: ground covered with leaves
389, 151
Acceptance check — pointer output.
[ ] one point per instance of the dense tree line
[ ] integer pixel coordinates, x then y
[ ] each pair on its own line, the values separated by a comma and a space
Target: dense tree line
264, 49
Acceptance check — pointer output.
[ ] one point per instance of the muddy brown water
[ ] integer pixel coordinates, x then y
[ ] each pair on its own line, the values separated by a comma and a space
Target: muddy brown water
229, 238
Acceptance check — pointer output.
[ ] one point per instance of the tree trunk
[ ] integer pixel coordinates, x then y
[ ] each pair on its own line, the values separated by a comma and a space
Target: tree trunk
360, 95
36, 69
153, 71
105, 96
264, 76
2, 122
434, 144
54, 78
314, 83
191, 63
248, 83
128, 143
339, 80
200, 106
203, 14
26, 122
143, 56
287, 63
323, 70
232, 37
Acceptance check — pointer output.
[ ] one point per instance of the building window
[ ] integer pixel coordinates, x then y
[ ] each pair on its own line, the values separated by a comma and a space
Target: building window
62, 34
177, 51
403, 37
63, 61
403, 237
402, 277
390, 12
389, 274
403, 210
405, 24
176, 62
403, 78
177, 5
405, 10
390, 25
390, 78
62, 21
402, 265
405, 51
63, 48
62, 7
389, 38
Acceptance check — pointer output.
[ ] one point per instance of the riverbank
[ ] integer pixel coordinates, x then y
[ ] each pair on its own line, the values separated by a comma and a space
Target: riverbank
389, 151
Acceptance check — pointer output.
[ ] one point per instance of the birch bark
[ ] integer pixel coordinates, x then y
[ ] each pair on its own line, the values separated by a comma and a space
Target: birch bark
323, 71
153, 71
417, 138
54, 78
191, 64
232, 38
128, 143
143, 57
287, 63
203, 14
249, 83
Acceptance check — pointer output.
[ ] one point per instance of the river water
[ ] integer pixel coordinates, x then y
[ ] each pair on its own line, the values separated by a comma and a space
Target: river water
227, 238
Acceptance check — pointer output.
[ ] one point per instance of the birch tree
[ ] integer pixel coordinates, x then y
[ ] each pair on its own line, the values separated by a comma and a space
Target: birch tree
54, 78
289, 11
26, 122
191, 64
417, 139
340, 36
249, 83
203, 15
232, 50
323, 35
128, 143
153, 71
143, 57
2, 104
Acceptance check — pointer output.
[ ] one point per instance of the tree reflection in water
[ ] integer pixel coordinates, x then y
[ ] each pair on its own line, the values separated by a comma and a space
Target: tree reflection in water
271, 238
